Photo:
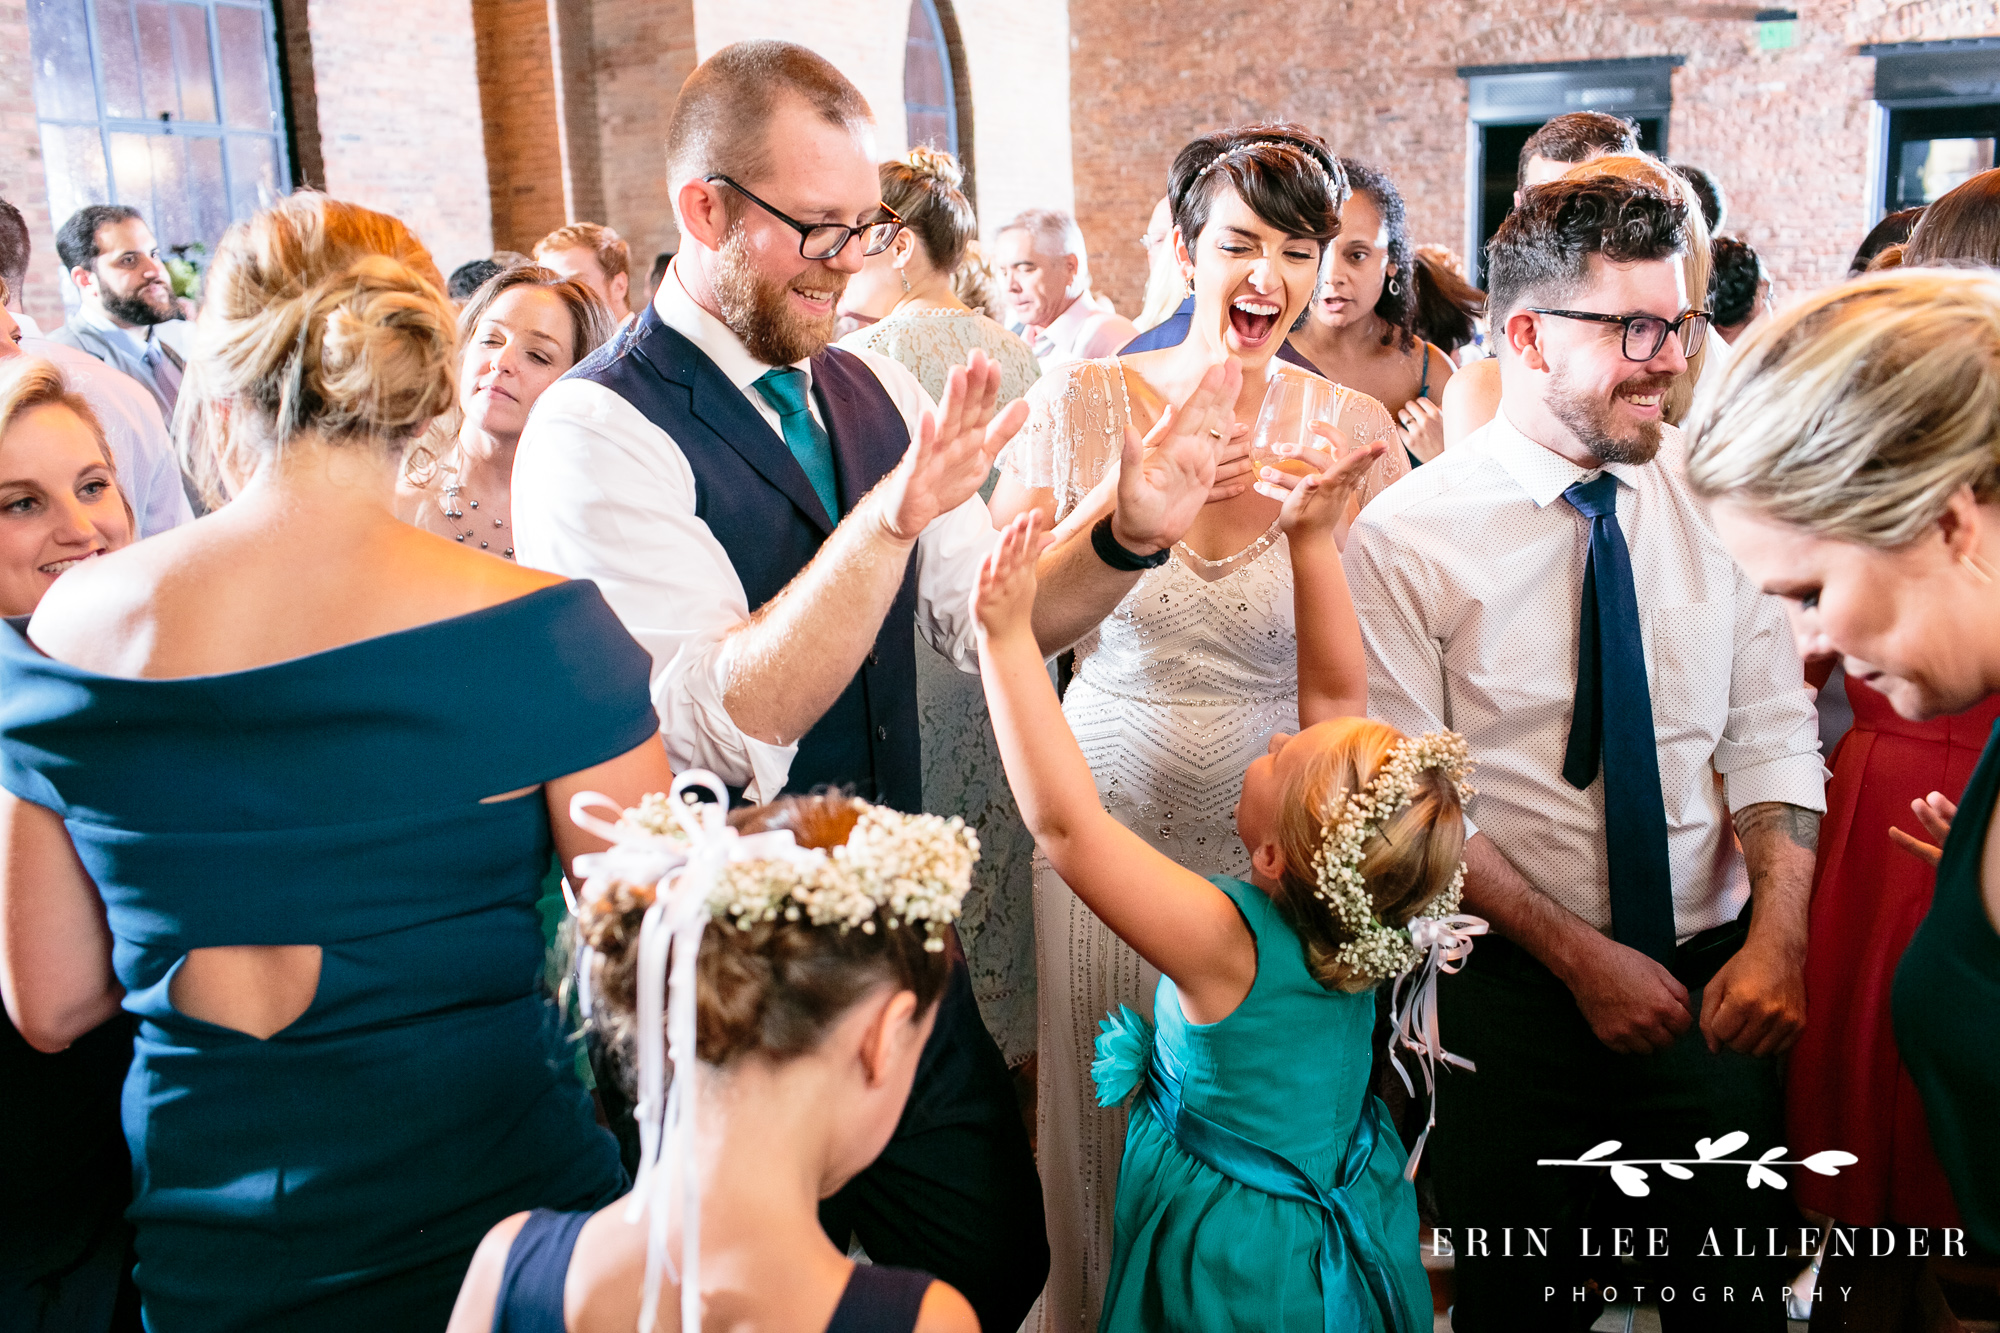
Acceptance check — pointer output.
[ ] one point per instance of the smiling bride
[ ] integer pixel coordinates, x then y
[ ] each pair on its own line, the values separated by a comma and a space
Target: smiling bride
1190, 677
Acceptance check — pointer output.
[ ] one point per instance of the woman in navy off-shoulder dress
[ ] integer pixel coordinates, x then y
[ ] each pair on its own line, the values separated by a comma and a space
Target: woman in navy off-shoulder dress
313, 763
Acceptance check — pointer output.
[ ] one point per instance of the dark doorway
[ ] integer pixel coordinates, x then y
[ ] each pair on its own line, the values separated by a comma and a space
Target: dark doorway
1499, 171
1934, 149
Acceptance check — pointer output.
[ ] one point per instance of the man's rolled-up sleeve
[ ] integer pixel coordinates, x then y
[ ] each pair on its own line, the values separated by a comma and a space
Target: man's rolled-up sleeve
601, 493
1769, 749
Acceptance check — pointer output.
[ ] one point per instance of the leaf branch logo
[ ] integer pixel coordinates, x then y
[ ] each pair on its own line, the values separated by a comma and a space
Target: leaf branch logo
1629, 1174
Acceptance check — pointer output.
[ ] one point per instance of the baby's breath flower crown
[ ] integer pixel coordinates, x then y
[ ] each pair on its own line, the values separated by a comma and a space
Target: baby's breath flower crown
1378, 952
895, 869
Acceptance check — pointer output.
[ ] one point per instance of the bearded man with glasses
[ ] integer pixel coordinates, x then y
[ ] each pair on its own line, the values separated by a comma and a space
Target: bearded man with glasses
1552, 590
776, 519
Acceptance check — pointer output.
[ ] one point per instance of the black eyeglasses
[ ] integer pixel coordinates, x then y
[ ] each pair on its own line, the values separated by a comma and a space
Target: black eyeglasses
1645, 335
824, 240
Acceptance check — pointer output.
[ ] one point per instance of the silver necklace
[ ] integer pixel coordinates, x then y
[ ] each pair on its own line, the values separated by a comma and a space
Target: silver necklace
448, 505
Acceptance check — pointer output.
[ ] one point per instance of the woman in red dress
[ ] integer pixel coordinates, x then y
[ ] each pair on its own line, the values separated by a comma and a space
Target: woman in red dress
1848, 1088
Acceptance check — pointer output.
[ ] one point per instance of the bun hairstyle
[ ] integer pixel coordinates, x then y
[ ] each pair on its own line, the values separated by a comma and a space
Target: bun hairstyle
1285, 173
1860, 412
319, 317
775, 988
1412, 859
923, 186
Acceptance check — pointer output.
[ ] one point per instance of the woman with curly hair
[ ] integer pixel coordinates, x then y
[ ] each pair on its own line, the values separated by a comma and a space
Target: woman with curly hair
1360, 329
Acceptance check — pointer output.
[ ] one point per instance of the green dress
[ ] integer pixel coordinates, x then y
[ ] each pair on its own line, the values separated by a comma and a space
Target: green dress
1262, 1185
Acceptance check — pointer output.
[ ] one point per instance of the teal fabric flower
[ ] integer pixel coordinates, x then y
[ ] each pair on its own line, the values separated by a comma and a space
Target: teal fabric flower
1124, 1045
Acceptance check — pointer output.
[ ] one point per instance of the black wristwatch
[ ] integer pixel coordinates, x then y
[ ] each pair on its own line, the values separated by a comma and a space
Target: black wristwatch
1111, 553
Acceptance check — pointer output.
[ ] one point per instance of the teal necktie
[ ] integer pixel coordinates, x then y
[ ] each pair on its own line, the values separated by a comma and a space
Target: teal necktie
784, 388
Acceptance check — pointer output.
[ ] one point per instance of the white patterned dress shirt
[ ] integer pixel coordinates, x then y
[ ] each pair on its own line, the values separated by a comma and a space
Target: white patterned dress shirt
1468, 578
602, 493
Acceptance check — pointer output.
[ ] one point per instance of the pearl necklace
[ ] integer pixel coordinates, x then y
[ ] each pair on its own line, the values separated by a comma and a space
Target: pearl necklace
448, 506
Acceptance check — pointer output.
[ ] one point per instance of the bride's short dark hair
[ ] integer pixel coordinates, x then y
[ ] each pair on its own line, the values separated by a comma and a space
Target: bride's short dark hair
1285, 173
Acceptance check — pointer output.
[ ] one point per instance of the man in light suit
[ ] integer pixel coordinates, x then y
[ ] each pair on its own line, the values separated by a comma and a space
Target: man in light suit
129, 314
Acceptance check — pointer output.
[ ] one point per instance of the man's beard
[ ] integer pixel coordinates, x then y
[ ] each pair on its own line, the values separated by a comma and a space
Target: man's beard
760, 312
136, 309
1589, 419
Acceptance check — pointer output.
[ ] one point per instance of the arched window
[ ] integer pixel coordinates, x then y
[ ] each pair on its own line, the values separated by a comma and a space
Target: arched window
930, 95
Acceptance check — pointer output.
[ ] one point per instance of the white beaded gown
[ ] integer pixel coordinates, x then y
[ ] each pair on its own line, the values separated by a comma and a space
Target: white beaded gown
1175, 693
962, 773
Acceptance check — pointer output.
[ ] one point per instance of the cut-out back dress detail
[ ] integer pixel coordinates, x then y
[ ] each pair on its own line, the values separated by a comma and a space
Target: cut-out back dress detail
1175, 693
340, 1174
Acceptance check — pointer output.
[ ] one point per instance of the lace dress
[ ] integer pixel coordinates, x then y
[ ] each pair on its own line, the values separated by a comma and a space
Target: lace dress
1175, 693
962, 772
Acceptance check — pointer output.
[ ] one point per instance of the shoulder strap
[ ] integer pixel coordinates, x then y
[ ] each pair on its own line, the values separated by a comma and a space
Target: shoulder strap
531, 1284
1424, 388
880, 1299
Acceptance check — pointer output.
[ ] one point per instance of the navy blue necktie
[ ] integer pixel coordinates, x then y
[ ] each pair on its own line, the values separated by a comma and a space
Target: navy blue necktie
1614, 718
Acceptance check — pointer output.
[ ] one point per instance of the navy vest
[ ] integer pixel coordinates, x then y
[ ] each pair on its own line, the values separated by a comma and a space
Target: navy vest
755, 499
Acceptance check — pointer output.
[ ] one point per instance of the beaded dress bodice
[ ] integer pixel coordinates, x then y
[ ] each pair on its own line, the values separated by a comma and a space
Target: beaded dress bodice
1181, 686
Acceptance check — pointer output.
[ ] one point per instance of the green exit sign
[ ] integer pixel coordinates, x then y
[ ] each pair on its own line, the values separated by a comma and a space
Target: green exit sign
1777, 29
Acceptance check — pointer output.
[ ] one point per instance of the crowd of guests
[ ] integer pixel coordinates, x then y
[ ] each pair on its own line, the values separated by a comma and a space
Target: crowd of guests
296, 792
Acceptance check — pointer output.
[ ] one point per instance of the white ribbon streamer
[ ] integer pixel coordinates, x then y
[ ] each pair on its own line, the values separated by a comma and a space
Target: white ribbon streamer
1444, 943
683, 875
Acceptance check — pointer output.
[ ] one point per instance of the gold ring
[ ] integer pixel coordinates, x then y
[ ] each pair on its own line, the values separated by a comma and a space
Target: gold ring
1216, 433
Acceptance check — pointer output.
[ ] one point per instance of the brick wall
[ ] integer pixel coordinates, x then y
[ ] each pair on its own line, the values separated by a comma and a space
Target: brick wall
645, 49
517, 93
1786, 131
22, 182
397, 86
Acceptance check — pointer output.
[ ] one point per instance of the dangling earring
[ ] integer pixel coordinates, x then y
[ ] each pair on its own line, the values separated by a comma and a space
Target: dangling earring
1395, 286
1975, 566
904, 278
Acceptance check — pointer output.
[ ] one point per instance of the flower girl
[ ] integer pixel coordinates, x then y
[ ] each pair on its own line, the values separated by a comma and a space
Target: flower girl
1263, 1187
787, 962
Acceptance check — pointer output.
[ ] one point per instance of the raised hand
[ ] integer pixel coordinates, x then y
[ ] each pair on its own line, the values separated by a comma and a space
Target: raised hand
953, 453
1003, 601
1422, 428
1232, 464
1164, 480
1935, 813
1316, 504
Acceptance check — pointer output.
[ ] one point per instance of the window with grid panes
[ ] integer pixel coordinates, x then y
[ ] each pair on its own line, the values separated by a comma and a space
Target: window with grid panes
169, 106
930, 103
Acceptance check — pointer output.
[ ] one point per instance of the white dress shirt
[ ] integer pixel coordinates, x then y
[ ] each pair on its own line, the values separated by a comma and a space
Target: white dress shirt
602, 493
149, 472
1468, 578
1089, 329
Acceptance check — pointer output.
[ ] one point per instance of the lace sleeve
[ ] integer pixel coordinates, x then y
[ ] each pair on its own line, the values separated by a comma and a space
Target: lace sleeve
1076, 425
1364, 421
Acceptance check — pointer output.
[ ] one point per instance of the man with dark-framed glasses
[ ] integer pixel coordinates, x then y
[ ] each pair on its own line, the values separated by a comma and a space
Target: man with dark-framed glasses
777, 519
1551, 590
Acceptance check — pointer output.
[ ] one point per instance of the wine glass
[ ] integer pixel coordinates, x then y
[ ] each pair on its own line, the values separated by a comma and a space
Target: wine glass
1290, 406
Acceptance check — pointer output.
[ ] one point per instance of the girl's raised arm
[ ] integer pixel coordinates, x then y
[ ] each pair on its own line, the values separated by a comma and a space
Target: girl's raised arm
1333, 668
1173, 918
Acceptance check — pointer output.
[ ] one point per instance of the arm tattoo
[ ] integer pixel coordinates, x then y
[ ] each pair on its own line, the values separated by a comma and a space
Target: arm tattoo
1796, 823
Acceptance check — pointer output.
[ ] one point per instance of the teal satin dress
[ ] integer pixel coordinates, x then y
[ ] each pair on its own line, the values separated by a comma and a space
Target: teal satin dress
1262, 1185
339, 1175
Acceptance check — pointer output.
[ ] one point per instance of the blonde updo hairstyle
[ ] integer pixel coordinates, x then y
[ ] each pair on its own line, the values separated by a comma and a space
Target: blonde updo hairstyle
319, 317
1859, 413
1698, 263
923, 186
1409, 861
776, 988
